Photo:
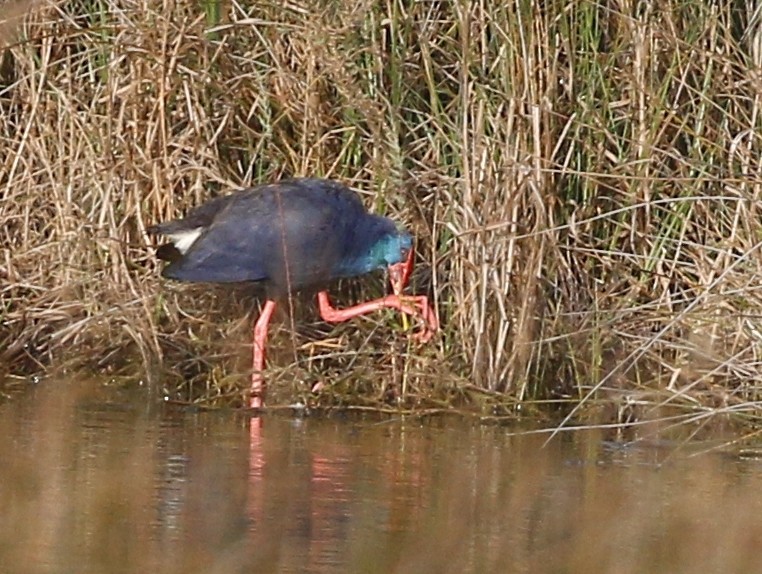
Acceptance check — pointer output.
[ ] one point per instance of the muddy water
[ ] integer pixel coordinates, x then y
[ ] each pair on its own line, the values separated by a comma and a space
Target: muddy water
90, 484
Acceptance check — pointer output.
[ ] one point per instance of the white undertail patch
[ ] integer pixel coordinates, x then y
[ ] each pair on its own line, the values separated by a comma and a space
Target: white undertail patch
183, 240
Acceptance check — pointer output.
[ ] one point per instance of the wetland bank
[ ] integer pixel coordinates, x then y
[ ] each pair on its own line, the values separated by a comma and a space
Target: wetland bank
582, 183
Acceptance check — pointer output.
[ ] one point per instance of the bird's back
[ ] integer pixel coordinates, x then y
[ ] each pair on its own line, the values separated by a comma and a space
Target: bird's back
291, 234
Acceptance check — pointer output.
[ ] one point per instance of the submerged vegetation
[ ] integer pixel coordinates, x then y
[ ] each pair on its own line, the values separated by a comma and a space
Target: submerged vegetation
583, 181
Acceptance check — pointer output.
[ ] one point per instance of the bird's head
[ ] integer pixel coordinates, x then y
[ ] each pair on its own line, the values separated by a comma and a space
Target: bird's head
380, 244
395, 251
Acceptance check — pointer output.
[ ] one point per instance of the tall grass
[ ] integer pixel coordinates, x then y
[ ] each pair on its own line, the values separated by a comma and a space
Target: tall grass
583, 181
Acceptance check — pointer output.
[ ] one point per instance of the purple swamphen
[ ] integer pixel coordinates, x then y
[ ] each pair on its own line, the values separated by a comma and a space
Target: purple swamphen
292, 235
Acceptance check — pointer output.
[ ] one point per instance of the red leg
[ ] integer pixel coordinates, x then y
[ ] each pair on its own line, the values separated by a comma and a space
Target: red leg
399, 274
260, 340
408, 304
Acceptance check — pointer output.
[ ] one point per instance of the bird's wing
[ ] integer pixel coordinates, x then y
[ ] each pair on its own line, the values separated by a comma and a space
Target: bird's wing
292, 234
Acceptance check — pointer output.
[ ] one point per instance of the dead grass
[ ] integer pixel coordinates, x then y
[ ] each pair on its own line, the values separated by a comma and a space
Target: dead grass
583, 182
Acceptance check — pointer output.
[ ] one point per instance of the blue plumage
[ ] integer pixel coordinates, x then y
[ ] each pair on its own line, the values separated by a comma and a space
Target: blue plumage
291, 235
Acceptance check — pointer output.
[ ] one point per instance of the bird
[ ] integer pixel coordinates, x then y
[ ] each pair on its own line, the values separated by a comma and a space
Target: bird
292, 235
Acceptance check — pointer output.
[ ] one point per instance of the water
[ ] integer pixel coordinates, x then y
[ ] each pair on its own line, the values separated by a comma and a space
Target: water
92, 485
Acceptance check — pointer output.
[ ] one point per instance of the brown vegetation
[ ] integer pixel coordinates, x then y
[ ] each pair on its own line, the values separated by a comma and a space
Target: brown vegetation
583, 181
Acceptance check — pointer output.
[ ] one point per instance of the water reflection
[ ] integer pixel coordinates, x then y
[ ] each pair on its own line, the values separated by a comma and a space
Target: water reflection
88, 485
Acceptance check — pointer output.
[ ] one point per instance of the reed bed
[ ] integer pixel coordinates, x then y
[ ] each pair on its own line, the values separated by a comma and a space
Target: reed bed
583, 181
